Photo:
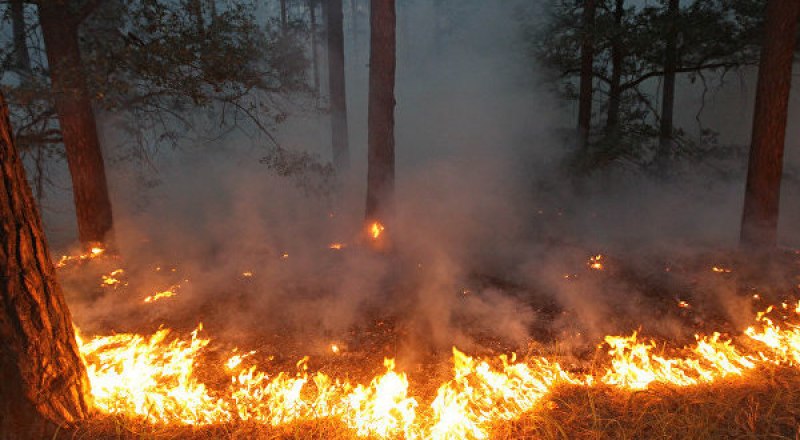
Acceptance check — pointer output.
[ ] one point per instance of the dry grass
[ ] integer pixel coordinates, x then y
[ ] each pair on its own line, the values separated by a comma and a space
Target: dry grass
762, 405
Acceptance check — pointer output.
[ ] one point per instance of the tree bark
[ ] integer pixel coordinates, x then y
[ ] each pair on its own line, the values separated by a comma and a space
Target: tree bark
78, 126
587, 62
668, 92
23, 58
380, 161
43, 383
312, 11
284, 17
336, 82
762, 191
617, 57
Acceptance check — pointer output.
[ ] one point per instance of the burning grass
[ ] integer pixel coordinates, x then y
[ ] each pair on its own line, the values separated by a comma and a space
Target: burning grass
181, 384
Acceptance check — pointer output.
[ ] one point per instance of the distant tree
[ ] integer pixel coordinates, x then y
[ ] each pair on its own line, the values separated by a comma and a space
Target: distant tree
631, 41
42, 379
336, 83
22, 56
762, 192
586, 74
382, 62
668, 88
312, 14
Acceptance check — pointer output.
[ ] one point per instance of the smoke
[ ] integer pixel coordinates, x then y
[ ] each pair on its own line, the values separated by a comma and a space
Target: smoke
490, 242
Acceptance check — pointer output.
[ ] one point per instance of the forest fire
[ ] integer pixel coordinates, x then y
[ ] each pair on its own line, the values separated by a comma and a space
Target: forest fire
154, 378
375, 230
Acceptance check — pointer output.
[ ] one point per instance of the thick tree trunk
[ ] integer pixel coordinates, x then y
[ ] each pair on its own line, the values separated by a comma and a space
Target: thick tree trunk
336, 82
587, 76
380, 161
617, 57
23, 58
354, 25
668, 93
312, 12
43, 383
762, 192
78, 126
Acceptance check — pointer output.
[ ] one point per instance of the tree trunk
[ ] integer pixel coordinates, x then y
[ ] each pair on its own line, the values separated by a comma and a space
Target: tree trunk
312, 11
380, 161
23, 59
336, 82
354, 25
587, 62
78, 126
284, 17
43, 383
617, 57
762, 192
668, 93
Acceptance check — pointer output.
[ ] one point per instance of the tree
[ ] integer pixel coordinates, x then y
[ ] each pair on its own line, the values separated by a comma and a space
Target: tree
312, 12
42, 379
336, 83
60, 20
380, 160
670, 68
23, 59
587, 77
765, 167
617, 58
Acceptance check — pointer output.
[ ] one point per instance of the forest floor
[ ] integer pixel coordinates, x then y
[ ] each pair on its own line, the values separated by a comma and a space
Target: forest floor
763, 403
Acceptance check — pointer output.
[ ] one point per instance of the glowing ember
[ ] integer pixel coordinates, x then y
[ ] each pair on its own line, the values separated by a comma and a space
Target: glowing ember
168, 293
375, 230
335, 349
67, 259
596, 262
153, 378
247, 274
684, 305
718, 269
112, 279
336, 246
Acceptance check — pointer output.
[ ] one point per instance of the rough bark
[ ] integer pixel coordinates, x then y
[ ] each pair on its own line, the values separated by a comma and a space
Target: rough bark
380, 166
762, 191
23, 58
668, 92
617, 57
312, 12
336, 82
587, 61
284, 17
42, 379
77, 121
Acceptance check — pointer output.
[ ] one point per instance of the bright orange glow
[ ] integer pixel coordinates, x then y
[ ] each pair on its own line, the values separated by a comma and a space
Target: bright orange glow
336, 246
112, 279
375, 230
168, 293
596, 262
66, 260
152, 377
718, 269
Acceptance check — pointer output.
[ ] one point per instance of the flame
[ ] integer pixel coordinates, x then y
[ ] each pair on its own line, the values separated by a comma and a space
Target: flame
153, 378
168, 293
596, 262
337, 246
718, 269
112, 279
93, 253
375, 230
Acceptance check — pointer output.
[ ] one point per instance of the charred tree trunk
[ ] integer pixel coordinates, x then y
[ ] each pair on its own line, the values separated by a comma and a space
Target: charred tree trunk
23, 58
78, 126
762, 192
336, 82
312, 12
617, 57
587, 76
380, 161
668, 93
43, 383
